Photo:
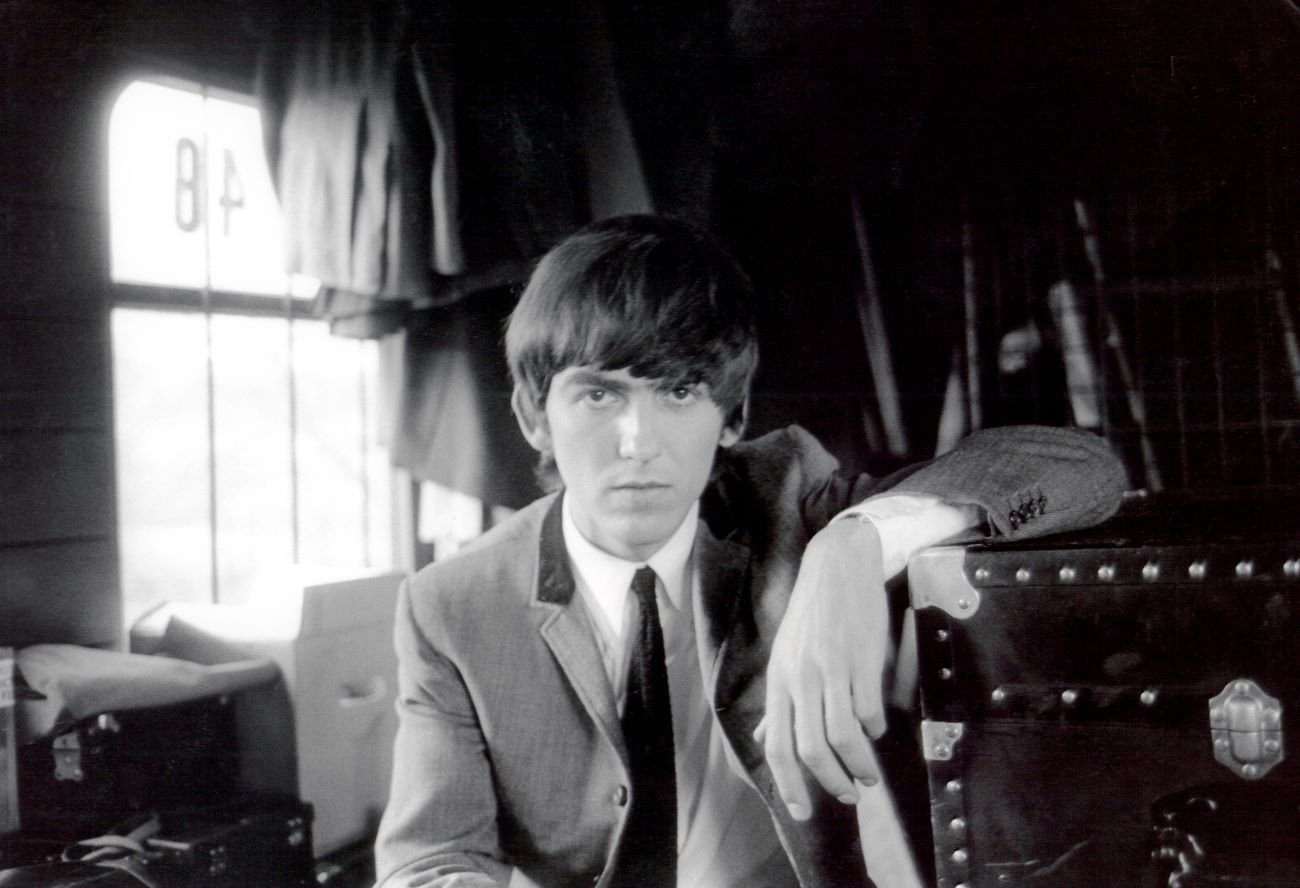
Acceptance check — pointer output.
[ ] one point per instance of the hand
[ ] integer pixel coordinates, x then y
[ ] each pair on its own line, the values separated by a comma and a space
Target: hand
825, 676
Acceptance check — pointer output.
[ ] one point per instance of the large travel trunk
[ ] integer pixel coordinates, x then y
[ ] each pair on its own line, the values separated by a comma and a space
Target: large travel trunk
1116, 707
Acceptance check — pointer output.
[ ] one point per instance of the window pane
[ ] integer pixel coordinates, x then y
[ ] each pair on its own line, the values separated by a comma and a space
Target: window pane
160, 417
191, 202
448, 518
244, 224
381, 522
250, 358
343, 477
335, 429
155, 172
213, 428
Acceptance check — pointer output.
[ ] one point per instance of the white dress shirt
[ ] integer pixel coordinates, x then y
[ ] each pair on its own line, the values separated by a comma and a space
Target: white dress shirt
725, 837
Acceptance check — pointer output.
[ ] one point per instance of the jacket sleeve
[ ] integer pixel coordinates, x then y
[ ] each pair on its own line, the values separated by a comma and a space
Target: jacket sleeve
439, 828
1028, 480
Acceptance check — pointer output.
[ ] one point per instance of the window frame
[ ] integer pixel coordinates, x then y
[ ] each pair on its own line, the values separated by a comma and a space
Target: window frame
210, 302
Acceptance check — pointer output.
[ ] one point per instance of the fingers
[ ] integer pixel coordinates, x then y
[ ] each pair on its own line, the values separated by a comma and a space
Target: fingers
869, 708
779, 749
822, 734
851, 746
813, 738
825, 672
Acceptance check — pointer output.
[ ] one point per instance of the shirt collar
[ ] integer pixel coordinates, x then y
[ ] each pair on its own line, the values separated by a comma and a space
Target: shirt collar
608, 578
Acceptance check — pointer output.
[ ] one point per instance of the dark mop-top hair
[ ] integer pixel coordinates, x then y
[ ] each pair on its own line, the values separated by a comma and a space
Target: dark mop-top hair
648, 294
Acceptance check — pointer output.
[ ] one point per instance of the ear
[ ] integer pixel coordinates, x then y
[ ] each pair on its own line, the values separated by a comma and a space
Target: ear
733, 430
531, 419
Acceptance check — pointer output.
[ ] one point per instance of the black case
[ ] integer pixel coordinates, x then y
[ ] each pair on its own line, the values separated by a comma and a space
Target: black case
1078, 690
253, 842
265, 845
92, 774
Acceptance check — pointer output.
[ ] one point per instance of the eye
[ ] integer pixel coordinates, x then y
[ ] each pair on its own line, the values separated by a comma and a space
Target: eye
681, 395
596, 396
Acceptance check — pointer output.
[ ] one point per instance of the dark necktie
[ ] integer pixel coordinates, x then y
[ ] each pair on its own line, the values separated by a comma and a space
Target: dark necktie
649, 850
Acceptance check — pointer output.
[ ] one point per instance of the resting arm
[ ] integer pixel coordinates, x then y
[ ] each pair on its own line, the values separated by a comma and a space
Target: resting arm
833, 645
439, 827
825, 675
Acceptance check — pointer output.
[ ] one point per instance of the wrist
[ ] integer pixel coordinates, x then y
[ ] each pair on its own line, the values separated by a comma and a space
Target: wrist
854, 534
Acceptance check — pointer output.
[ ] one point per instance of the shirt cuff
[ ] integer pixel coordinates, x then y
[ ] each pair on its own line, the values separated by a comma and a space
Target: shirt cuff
519, 880
909, 522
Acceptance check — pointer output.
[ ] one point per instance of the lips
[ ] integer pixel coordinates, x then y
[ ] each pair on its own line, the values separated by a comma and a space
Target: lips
640, 486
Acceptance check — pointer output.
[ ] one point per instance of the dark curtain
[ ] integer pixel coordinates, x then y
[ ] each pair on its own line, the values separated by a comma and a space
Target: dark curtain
426, 154
963, 132
457, 427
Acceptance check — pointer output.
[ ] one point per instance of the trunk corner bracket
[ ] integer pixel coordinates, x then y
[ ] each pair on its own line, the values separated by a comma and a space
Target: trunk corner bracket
933, 580
939, 739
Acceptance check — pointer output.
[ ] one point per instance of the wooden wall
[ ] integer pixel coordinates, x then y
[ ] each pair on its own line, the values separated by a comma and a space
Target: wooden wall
61, 65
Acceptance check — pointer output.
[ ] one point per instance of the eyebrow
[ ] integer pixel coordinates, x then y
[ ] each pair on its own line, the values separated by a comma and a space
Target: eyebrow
601, 379
596, 378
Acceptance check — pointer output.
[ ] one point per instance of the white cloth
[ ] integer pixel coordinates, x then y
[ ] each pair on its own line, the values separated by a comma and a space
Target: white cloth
77, 682
909, 522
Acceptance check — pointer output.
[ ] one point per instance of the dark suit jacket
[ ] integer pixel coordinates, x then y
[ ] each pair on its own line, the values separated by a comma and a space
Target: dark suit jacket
509, 751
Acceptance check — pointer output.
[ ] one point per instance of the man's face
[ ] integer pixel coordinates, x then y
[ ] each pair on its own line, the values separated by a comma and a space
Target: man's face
634, 454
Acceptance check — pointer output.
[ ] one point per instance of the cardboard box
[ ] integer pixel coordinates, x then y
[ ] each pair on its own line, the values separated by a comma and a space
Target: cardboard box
333, 643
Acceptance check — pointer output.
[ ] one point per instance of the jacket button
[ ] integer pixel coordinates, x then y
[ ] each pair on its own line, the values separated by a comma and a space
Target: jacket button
620, 796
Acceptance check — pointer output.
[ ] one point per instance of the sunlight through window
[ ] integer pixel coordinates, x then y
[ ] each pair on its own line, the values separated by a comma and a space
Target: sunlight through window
247, 437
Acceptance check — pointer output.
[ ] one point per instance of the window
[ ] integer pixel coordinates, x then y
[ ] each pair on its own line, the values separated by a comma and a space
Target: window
246, 435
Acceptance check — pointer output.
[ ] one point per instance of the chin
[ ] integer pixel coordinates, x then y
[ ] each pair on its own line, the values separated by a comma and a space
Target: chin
640, 534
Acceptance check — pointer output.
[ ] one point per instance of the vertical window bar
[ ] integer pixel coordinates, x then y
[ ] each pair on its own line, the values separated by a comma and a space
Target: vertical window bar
200, 213
214, 579
290, 370
363, 403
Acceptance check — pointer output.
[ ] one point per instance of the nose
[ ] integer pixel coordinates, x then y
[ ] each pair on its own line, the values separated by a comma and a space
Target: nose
638, 435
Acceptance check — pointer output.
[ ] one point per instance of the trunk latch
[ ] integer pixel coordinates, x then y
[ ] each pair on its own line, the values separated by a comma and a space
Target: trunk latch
1246, 728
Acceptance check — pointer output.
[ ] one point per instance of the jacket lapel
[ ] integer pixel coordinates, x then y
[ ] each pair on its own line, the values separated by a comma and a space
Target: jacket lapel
733, 658
720, 566
565, 629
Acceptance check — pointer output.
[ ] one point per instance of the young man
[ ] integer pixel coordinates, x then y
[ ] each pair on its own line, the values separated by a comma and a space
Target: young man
536, 745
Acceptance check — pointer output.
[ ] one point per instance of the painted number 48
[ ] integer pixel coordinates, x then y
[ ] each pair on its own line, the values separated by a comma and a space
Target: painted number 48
190, 191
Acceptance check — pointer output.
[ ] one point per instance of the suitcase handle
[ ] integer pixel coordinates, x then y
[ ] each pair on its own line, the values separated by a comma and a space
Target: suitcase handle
363, 694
